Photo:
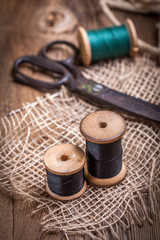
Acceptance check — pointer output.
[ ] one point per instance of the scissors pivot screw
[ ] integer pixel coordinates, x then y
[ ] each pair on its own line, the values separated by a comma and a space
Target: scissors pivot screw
97, 88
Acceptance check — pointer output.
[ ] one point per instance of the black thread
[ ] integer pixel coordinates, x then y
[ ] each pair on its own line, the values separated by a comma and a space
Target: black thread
66, 185
104, 160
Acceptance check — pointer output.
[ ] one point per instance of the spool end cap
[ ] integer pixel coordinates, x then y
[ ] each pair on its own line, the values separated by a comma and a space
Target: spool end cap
102, 127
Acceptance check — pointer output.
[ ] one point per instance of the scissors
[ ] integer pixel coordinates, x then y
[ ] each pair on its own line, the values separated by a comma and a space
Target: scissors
71, 77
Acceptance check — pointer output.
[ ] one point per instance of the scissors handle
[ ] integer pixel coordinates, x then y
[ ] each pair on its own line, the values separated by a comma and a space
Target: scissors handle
46, 65
69, 60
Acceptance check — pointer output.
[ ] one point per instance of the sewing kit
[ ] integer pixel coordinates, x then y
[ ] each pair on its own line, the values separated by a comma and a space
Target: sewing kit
66, 164
84, 149
71, 77
104, 167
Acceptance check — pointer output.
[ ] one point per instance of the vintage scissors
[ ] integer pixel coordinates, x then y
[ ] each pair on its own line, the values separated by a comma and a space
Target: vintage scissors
72, 77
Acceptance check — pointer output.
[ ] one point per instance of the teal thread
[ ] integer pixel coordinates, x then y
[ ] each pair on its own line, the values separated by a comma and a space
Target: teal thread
109, 42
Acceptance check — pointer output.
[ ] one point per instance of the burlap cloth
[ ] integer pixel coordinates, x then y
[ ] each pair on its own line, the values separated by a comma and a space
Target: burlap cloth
27, 133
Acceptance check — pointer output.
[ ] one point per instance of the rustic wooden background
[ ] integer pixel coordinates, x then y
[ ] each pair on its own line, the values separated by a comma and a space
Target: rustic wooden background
19, 35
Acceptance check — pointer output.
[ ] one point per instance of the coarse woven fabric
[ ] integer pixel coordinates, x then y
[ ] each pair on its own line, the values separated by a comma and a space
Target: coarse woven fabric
27, 133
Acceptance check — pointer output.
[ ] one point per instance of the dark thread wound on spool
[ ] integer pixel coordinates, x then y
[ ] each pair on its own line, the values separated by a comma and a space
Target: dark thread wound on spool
108, 42
64, 165
66, 185
104, 160
103, 131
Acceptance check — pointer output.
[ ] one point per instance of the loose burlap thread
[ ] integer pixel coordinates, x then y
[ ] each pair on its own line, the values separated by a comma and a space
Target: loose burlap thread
27, 133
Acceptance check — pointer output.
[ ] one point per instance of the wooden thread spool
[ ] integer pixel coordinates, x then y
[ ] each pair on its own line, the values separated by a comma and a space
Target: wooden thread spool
104, 129
64, 165
85, 47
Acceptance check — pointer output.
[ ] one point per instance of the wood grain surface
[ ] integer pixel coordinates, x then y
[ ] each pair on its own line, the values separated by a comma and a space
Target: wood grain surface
20, 35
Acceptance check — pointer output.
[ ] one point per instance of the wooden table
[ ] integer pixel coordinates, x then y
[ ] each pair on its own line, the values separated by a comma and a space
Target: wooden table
19, 36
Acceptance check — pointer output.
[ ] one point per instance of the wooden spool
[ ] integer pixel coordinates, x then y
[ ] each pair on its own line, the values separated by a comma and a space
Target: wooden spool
64, 159
103, 127
85, 48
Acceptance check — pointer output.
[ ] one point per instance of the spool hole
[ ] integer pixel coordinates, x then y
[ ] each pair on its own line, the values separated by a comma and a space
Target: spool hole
102, 124
64, 157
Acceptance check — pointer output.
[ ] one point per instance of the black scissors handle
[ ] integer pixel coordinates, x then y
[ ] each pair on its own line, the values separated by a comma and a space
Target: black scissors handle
46, 65
70, 60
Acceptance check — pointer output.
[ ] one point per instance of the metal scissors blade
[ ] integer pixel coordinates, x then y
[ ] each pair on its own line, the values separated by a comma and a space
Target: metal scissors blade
102, 94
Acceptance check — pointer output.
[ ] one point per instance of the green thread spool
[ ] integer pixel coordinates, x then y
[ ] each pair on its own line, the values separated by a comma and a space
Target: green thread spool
107, 42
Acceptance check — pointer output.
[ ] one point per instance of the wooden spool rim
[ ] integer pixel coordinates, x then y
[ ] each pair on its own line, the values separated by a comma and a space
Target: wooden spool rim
65, 173
108, 182
67, 198
84, 45
133, 37
85, 48
109, 140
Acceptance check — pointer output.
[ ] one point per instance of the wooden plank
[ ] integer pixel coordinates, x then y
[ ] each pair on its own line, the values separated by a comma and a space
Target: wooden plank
27, 225
6, 217
147, 231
